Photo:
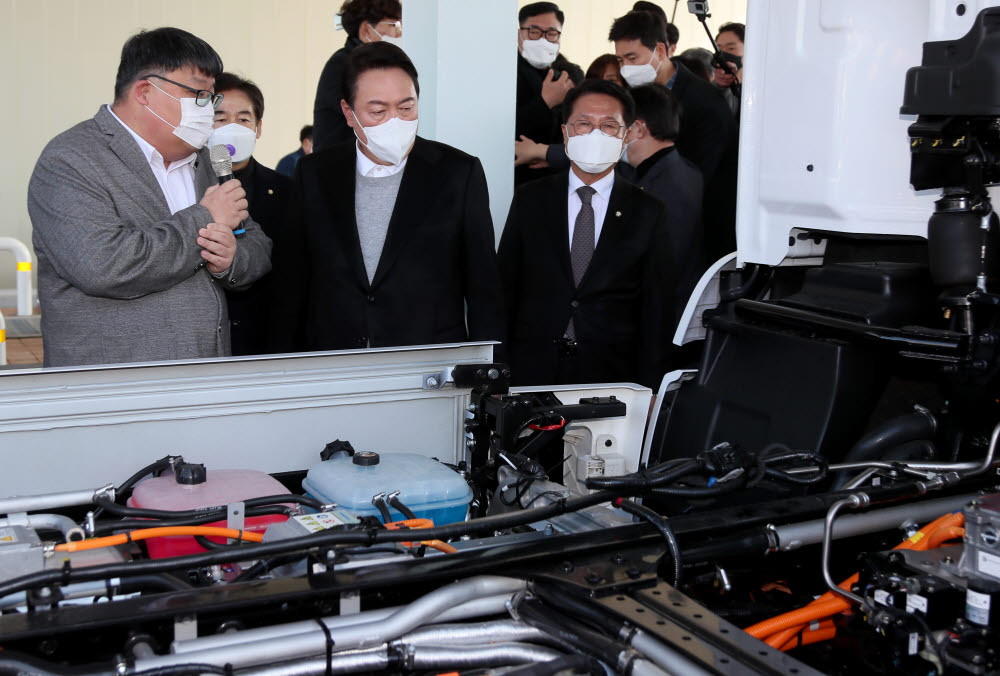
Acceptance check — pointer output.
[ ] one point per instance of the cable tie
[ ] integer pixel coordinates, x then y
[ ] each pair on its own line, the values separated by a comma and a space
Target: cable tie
329, 646
711, 481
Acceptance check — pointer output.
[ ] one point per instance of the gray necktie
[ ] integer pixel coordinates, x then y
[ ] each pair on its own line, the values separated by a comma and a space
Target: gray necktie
582, 248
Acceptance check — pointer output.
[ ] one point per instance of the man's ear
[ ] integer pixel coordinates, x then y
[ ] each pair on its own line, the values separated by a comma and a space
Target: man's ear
140, 91
260, 123
565, 134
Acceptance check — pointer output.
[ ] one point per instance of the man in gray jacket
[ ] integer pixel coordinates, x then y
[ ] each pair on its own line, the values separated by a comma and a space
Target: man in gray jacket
133, 233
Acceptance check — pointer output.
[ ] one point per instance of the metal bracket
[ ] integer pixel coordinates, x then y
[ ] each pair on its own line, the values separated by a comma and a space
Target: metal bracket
435, 381
235, 518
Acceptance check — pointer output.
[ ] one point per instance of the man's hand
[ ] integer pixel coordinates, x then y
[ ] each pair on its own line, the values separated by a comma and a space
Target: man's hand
227, 203
553, 90
219, 246
724, 78
528, 152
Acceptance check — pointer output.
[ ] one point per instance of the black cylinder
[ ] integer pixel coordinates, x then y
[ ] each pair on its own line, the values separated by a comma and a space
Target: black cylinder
954, 244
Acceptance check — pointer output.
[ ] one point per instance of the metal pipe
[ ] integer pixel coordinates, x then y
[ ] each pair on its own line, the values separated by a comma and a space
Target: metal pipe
860, 479
63, 524
23, 258
805, 533
665, 657
3, 341
76, 590
48, 501
347, 662
477, 656
854, 501
499, 631
488, 605
363, 635
641, 667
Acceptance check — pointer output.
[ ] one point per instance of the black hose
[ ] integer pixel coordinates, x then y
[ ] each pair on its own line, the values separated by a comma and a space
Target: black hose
182, 670
212, 545
922, 449
162, 582
106, 527
568, 630
642, 480
892, 433
573, 663
220, 510
398, 505
661, 524
569, 600
13, 664
126, 487
383, 509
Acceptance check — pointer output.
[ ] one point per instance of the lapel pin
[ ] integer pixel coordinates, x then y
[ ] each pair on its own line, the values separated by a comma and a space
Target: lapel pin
270, 191
618, 214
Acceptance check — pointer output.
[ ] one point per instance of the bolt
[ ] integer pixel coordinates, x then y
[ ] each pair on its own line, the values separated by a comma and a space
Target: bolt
494, 374
634, 573
566, 567
431, 381
947, 559
593, 578
618, 559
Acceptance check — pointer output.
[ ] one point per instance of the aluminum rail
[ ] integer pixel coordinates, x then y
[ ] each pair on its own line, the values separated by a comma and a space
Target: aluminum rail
49, 501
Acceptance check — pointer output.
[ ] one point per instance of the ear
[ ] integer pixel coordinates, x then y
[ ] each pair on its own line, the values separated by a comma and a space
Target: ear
565, 134
351, 122
260, 123
140, 92
661, 51
363, 35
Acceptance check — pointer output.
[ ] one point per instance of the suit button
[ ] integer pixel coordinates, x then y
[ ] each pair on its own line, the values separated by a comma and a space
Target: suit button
232, 280
371, 298
574, 304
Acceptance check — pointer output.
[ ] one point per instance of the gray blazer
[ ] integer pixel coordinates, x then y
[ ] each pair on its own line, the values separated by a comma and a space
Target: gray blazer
120, 279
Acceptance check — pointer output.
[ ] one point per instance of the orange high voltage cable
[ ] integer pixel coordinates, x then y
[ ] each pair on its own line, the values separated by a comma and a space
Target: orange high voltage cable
147, 533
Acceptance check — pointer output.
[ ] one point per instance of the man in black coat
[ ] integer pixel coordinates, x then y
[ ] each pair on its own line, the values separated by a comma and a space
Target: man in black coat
364, 21
586, 260
237, 124
655, 165
544, 77
389, 239
708, 133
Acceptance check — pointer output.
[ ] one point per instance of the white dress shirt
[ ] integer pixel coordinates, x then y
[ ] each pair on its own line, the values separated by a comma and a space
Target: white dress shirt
599, 202
368, 168
176, 181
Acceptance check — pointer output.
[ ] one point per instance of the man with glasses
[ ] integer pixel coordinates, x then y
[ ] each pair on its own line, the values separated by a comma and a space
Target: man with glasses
585, 259
133, 233
544, 77
364, 21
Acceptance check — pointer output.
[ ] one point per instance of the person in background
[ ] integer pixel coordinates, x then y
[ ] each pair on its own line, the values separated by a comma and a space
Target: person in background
673, 34
708, 133
133, 232
389, 240
286, 165
655, 165
544, 77
730, 41
238, 120
606, 67
364, 21
699, 61
586, 260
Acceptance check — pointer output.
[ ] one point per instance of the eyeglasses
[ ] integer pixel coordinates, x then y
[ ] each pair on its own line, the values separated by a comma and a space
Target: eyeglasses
582, 127
535, 32
398, 25
201, 96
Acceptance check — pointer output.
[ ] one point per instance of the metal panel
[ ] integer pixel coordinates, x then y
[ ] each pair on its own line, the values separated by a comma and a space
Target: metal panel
63, 429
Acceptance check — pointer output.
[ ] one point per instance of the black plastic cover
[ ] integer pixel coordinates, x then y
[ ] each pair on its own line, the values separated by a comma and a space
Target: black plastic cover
366, 458
190, 474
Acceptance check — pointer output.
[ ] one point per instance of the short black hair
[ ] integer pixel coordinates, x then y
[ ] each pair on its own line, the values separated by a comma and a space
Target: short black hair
353, 13
652, 8
659, 109
307, 132
673, 34
600, 87
699, 61
733, 27
160, 51
230, 81
641, 26
536, 8
374, 56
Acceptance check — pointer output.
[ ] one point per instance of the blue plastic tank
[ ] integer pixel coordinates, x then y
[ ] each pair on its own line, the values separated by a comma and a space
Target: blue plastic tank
431, 490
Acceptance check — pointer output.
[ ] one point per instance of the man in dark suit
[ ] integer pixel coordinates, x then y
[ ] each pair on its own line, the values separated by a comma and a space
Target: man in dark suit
389, 238
656, 166
286, 165
708, 134
363, 21
544, 76
586, 261
237, 125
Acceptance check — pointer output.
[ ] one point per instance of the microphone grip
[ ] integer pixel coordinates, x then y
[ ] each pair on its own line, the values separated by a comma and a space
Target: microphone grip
242, 230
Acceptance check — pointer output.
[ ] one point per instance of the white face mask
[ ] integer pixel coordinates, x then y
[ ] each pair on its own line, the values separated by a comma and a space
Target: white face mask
539, 53
594, 152
389, 141
636, 76
240, 141
392, 40
196, 121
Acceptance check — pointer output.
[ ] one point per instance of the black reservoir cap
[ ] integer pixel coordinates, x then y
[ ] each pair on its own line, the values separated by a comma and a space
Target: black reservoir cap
366, 458
189, 473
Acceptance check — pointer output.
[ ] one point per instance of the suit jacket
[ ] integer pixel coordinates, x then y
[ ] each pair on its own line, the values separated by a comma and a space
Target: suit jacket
622, 308
707, 124
438, 257
286, 165
120, 279
329, 125
268, 193
677, 183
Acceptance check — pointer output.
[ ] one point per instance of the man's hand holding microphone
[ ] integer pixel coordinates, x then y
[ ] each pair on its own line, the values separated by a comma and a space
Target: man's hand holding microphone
227, 202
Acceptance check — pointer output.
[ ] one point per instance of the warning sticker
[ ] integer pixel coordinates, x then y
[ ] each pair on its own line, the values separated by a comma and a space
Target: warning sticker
916, 602
315, 523
989, 564
977, 607
882, 597
7, 536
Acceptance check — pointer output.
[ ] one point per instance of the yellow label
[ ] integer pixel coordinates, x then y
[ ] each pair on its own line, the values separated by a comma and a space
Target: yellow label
24, 267
917, 537
3, 335
8, 538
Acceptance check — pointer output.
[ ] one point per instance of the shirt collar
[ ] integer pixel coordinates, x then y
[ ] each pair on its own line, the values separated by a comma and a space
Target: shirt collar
368, 168
151, 154
603, 186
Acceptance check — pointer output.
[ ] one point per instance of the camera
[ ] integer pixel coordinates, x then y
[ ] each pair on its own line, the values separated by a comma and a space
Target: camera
698, 8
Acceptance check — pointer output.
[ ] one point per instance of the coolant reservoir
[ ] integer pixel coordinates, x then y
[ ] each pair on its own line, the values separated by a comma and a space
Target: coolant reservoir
431, 490
191, 486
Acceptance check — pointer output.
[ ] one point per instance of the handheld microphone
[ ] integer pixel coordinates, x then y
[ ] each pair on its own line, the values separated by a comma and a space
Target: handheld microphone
222, 165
